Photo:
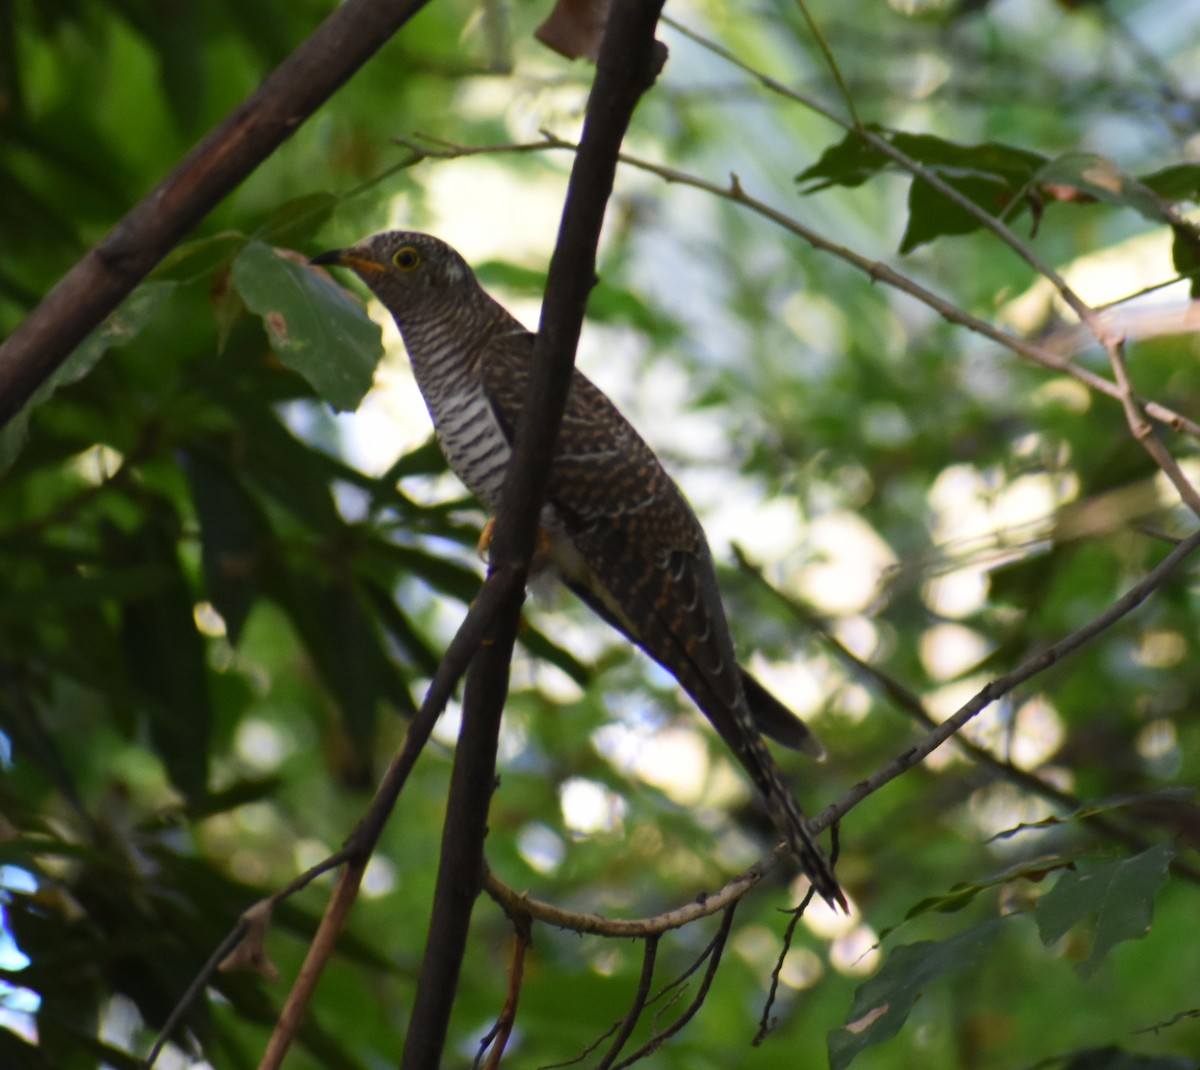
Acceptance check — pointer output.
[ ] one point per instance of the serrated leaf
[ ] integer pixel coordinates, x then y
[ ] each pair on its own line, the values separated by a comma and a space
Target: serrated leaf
314, 327
1118, 897
883, 1003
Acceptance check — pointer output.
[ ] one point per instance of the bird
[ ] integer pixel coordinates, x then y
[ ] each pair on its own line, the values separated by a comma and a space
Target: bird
615, 526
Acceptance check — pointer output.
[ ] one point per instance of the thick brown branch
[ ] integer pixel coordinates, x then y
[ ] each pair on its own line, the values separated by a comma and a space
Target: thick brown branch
254, 130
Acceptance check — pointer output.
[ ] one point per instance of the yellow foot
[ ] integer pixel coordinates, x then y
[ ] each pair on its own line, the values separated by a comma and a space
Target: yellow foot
485, 539
541, 547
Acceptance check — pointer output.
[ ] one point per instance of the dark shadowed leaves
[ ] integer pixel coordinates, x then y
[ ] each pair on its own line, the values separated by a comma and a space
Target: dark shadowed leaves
882, 1004
1115, 898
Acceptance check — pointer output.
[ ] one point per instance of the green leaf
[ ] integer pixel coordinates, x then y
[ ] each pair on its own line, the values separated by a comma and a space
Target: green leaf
852, 161
932, 215
234, 535
1118, 895
167, 660
314, 327
1178, 183
1185, 254
882, 1004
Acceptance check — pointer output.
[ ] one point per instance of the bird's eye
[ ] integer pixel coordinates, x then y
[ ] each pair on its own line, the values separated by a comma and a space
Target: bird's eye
406, 259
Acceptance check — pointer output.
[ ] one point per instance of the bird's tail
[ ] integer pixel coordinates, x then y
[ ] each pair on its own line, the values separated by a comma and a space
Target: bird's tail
785, 812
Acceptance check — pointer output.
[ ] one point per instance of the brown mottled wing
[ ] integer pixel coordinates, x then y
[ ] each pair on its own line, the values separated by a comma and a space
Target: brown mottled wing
644, 563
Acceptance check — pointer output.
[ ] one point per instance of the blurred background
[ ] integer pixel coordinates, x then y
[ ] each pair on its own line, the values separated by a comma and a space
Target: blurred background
230, 554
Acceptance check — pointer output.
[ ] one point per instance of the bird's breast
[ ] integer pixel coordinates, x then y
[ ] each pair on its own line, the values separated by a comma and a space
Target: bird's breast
473, 441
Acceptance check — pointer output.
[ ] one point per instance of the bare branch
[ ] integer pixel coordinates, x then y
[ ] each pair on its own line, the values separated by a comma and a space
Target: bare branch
1143, 431
640, 997
1001, 686
497, 1036
701, 906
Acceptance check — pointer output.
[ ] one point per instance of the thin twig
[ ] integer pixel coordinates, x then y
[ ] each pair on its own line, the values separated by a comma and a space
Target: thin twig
906, 700
497, 1036
765, 1023
701, 907
713, 953
315, 960
640, 996
918, 170
199, 982
1001, 686
1143, 431
1109, 339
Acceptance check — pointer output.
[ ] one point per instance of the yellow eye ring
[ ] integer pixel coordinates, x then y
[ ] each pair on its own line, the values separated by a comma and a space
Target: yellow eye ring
406, 259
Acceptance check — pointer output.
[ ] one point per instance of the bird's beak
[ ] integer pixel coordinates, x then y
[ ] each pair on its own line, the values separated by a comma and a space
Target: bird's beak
348, 258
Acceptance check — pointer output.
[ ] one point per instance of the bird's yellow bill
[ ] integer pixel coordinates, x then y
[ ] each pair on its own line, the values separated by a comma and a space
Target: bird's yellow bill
347, 258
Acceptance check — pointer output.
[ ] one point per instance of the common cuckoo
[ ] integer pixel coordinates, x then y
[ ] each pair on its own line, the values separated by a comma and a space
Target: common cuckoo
615, 527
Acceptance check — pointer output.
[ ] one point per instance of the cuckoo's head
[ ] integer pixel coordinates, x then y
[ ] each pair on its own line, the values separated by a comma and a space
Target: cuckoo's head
413, 274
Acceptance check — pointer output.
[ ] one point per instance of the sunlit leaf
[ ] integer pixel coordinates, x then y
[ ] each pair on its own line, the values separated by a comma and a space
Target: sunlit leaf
312, 324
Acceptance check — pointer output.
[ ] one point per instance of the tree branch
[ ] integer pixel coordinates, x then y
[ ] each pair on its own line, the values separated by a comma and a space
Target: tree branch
627, 66
356, 851
243, 140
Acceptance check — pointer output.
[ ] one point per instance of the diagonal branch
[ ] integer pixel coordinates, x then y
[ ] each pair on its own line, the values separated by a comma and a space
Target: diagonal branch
243, 140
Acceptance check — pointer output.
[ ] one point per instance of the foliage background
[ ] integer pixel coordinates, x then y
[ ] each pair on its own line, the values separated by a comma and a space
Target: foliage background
220, 600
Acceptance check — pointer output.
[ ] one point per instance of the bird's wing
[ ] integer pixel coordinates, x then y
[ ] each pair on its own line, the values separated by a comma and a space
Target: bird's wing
642, 559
